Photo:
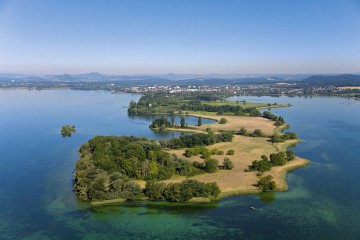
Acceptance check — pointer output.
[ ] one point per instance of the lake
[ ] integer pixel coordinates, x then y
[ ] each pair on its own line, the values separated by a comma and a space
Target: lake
37, 164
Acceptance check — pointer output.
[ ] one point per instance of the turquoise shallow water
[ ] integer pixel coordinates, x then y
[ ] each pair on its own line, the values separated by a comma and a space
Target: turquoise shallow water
36, 169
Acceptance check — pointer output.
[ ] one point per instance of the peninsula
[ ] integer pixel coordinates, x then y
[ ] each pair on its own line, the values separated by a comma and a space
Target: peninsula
243, 152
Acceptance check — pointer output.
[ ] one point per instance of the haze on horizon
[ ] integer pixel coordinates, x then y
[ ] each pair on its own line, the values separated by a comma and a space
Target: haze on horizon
155, 37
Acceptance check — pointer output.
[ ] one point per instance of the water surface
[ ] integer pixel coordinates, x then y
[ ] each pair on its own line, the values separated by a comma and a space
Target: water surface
36, 171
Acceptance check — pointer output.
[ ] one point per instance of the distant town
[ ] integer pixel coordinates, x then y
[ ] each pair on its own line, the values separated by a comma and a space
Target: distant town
347, 85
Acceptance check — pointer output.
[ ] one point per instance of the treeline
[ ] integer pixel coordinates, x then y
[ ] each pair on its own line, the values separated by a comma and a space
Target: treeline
276, 159
210, 165
169, 104
181, 192
256, 133
279, 121
282, 138
196, 139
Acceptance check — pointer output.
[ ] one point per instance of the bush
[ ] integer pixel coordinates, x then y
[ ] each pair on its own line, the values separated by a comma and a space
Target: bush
290, 155
228, 164
243, 131
261, 166
184, 191
230, 152
213, 151
278, 159
223, 121
220, 152
154, 190
211, 165
258, 133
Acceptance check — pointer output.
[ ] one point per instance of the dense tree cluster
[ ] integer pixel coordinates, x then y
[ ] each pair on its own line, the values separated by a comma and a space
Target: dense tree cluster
196, 139
279, 121
256, 133
181, 192
161, 123
282, 138
266, 184
162, 103
108, 164
276, 159
203, 151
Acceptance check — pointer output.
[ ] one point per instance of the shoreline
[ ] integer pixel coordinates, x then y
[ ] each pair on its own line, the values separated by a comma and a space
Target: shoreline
253, 146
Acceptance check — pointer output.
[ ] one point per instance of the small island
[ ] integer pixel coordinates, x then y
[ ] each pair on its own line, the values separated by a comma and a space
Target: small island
67, 130
245, 151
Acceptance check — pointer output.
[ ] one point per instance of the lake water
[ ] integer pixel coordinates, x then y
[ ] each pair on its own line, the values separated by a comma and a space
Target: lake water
36, 171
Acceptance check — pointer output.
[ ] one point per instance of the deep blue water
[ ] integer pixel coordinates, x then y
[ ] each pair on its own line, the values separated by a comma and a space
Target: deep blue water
36, 171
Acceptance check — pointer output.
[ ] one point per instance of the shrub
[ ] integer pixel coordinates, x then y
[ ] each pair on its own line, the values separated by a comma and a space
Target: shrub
228, 164
230, 152
261, 166
258, 133
154, 190
211, 165
278, 159
223, 121
266, 184
290, 155
243, 131
220, 152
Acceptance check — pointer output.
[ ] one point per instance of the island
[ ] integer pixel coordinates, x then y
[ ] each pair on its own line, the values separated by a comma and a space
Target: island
67, 130
243, 152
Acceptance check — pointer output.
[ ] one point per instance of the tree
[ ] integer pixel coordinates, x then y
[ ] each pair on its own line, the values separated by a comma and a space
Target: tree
228, 164
223, 121
172, 121
243, 131
266, 184
67, 130
290, 155
261, 166
258, 133
220, 152
230, 152
154, 190
199, 121
182, 122
211, 165
276, 138
278, 159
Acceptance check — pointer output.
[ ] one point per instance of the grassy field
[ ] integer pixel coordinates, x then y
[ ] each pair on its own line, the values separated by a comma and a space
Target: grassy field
236, 122
247, 149
351, 88
243, 104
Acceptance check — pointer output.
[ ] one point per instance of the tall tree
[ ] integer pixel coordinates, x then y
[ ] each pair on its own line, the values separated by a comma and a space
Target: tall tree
182, 122
199, 121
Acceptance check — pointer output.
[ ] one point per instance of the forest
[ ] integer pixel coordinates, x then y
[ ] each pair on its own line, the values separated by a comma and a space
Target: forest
165, 104
110, 166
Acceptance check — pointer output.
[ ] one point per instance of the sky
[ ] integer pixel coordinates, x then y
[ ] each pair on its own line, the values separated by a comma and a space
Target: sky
180, 36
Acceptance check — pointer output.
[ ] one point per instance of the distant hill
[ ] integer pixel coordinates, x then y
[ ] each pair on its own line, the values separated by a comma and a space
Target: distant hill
337, 80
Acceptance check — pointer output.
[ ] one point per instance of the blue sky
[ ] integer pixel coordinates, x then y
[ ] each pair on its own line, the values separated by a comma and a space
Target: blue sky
179, 36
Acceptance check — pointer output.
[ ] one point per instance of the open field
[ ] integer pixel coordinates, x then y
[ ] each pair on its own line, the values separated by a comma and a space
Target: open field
247, 149
350, 88
244, 104
236, 122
